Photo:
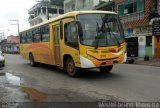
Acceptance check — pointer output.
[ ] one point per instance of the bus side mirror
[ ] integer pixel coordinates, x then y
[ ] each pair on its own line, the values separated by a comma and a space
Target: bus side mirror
80, 31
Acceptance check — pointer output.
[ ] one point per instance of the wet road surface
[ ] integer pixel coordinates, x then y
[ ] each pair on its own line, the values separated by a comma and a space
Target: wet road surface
21, 82
14, 90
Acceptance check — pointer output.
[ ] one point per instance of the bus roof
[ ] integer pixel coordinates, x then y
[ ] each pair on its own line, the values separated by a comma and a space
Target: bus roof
69, 14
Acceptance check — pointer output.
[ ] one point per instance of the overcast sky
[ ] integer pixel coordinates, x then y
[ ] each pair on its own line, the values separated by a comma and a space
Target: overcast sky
14, 9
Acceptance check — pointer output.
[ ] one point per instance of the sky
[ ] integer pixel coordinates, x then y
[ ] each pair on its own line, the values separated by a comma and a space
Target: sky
14, 10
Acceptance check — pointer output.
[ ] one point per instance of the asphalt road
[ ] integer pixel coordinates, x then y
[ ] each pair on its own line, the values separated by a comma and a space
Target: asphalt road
127, 82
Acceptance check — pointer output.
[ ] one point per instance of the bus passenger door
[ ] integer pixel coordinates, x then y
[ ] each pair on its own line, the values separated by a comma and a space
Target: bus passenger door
56, 38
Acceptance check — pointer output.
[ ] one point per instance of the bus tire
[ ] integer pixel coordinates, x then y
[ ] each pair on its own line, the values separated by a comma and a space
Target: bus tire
106, 69
70, 68
31, 60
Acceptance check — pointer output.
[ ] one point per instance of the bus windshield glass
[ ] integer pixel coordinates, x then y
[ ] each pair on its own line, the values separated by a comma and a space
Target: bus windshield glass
101, 30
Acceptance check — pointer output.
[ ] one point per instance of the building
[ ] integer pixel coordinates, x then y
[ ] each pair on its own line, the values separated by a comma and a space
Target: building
106, 6
155, 22
135, 16
45, 10
157, 40
11, 44
71, 5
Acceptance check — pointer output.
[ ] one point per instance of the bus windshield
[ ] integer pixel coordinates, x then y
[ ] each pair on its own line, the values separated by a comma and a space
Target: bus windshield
101, 30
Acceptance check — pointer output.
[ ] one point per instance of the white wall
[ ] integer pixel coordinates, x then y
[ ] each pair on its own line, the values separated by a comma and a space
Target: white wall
95, 2
68, 5
88, 4
142, 46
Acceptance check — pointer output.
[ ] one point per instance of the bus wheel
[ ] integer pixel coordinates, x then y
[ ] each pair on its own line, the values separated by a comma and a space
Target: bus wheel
106, 69
71, 69
31, 60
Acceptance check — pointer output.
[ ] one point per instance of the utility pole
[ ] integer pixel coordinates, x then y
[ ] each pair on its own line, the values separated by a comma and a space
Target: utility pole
17, 23
2, 34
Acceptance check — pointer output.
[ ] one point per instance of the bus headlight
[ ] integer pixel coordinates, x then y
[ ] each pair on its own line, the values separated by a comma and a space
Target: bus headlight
90, 57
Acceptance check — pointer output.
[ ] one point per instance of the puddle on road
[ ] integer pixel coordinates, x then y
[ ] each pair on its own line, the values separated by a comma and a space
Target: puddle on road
31, 92
35, 94
55, 95
12, 79
41, 94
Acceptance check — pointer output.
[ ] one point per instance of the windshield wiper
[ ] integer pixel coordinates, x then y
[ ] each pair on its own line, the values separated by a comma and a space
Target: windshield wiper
116, 39
114, 36
99, 31
104, 20
97, 37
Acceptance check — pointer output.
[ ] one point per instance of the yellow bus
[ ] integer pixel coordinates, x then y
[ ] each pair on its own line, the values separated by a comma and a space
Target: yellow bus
76, 40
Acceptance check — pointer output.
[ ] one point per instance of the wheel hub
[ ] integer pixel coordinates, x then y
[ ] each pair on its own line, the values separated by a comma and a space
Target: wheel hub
70, 68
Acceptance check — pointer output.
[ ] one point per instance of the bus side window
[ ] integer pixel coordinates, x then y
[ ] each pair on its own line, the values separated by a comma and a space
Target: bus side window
20, 37
71, 34
61, 30
23, 38
36, 35
65, 33
29, 36
45, 33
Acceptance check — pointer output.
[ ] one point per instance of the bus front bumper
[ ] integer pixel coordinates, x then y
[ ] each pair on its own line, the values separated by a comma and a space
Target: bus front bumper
88, 63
